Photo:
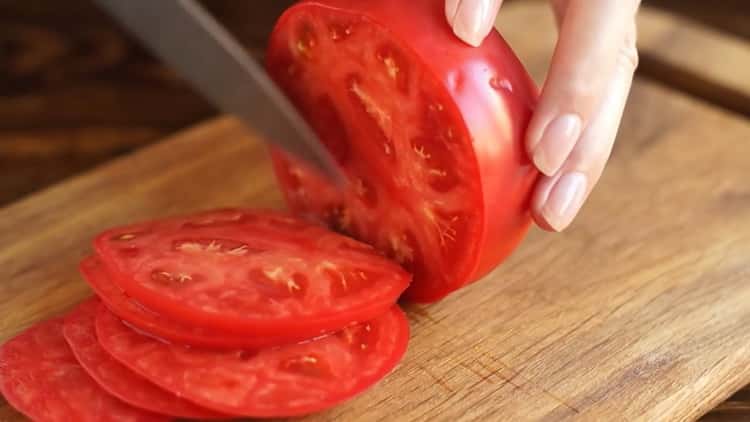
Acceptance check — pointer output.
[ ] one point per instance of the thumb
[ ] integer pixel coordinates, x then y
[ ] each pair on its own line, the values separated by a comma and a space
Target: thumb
472, 20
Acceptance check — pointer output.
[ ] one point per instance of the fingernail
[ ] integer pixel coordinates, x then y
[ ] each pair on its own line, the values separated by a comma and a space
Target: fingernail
558, 140
470, 21
565, 200
451, 7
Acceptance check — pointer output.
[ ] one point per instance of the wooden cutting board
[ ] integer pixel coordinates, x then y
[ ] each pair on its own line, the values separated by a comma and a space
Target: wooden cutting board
640, 311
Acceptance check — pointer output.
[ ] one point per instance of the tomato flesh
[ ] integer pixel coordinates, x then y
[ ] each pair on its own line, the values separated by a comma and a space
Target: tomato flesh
428, 131
41, 378
262, 274
289, 380
156, 325
80, 333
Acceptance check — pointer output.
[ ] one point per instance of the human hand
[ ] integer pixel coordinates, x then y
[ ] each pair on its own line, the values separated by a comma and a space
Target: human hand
571, 134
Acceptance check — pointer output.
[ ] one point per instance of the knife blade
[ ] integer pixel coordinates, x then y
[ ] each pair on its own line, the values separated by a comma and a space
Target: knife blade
189, 39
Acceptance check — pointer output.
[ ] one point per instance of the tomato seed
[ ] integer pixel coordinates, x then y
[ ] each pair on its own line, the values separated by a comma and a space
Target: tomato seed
345, 283
308, 365
338, 218
366, 192
395, 65
274, 283
400, 249
165, 277
417, 145
379, 119
125, 236
214, 246
339, 32
368, 104
359, 337
306, 40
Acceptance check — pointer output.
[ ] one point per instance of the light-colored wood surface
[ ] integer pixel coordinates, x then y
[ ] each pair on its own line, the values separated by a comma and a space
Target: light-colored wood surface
710, 64
675, 50
640, 310
718, 56
661, 34
728, 15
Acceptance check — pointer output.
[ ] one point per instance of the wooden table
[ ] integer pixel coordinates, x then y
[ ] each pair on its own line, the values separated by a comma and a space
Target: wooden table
130, 108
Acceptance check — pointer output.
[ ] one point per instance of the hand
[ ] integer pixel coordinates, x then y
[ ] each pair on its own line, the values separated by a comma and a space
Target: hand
571, 134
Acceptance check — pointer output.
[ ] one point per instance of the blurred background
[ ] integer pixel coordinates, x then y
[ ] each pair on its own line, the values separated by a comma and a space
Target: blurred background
75, 90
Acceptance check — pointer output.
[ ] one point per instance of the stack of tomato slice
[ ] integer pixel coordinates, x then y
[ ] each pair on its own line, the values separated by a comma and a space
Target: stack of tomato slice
221, 314
255, 313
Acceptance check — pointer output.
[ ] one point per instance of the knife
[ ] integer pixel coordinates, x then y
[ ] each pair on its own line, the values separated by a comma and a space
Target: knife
189, 39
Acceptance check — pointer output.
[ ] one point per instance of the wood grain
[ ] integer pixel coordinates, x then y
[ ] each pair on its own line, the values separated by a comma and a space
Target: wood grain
68, 72
640, 312
66, 67
695, 58
676, 51
536, 53
731, 16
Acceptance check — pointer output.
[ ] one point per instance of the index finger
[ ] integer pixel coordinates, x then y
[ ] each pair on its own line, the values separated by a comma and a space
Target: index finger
583, 64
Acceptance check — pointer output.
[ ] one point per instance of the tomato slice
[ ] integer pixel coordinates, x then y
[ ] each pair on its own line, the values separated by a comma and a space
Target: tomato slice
251, 273
152, 323
285, 381
115, 378
428, 130
41, 378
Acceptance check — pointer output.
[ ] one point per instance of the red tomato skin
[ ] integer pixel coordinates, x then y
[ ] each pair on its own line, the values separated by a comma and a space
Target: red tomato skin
284, 327
41, 378
123, 384
161, 327
108, 327
495, 98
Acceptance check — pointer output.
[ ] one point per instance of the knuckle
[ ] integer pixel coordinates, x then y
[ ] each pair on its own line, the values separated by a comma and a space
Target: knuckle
579, 88
580, 159
627, 56
593, 166
590, 157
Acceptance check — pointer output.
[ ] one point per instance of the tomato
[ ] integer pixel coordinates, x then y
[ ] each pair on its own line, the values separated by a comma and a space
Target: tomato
285, 381
41, 378
158, 326
428, 130
80, 333
250, 273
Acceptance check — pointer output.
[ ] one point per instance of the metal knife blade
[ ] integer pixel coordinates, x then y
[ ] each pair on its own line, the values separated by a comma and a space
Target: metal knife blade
188, 38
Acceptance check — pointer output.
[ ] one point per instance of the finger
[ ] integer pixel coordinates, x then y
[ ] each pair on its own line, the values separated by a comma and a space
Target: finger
558, 198
472, 20
582, 66
558, 7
